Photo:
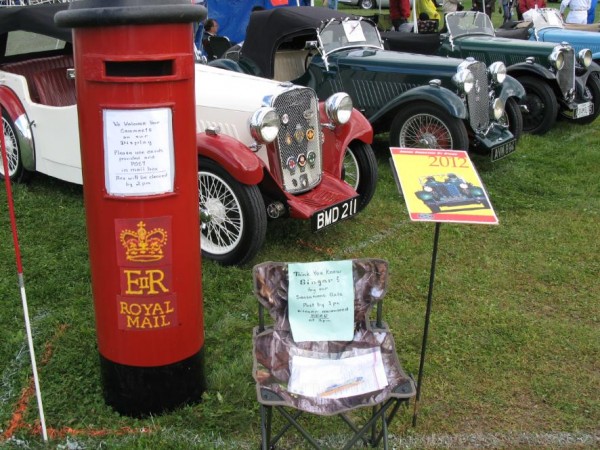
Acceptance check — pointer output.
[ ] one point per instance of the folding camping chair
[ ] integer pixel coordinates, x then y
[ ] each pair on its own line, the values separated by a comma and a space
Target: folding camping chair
275, 353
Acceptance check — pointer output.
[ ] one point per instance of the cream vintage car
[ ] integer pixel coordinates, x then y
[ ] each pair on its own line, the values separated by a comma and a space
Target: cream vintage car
266, 149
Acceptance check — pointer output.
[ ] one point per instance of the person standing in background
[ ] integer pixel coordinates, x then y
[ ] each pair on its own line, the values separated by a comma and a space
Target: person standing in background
450, 6
578, 10
427, 7
399, 12
592, 11
526, 5
332, 4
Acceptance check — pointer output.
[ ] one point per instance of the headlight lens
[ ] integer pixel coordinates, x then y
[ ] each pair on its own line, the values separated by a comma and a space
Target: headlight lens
557, 58
498, 108
464, 80
264, 125
498, 72
339, 108
585, 57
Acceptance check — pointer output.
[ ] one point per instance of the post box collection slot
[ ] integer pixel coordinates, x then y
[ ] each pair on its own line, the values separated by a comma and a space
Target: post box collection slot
139, 68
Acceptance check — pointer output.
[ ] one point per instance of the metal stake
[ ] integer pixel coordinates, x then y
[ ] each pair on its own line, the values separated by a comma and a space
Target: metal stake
427, 317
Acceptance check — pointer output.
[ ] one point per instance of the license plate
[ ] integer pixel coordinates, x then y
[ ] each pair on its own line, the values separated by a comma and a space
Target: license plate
334, 213
503, 150
583, 110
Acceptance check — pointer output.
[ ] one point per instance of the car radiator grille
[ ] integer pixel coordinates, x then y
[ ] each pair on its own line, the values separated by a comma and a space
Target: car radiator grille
477, 99
299, 139
566, 76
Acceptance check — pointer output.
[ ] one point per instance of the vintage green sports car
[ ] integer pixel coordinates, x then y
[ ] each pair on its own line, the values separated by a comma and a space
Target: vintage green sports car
556, 78
423, 101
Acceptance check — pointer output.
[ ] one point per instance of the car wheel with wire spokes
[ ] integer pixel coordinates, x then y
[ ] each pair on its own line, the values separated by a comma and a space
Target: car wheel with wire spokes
16, 170
428, 126
360, 171
232, 215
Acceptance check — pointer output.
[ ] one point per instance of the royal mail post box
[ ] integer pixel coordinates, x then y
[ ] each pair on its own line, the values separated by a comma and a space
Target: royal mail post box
134, 69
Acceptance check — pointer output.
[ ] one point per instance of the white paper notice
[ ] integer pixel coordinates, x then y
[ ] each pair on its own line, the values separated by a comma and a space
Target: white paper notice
138, 151
354, 31
337, 378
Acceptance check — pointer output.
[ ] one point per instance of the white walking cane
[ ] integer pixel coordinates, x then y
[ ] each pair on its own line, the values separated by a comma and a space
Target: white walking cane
13, 223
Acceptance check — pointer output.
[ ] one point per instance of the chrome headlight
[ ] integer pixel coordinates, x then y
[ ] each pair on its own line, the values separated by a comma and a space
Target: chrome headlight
498, 72
498, 108
557, 58
264, 125
338, 108
464, 80
584, 57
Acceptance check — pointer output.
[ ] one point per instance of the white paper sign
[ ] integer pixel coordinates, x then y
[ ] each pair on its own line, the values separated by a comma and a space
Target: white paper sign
337, 378
354, 31
138, 151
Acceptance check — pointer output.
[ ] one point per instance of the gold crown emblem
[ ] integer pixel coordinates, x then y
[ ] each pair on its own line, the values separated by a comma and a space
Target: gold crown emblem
143, 245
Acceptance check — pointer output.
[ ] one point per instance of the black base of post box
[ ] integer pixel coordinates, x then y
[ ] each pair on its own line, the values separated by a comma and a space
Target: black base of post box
141, 391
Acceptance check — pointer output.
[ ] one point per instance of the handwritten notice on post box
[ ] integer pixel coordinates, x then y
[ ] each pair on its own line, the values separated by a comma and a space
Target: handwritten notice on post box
321, 301
138, 151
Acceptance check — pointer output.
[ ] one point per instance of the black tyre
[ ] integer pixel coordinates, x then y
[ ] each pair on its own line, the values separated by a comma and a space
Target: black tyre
592, 92
425, 125
513, 117
16, 171
360, 171
542, 106
366, 4
233, 217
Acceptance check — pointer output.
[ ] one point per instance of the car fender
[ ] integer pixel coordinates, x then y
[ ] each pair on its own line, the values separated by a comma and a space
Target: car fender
337, 139
13, 106
441, 96
525, 68
235, 157
510, 88
582, 73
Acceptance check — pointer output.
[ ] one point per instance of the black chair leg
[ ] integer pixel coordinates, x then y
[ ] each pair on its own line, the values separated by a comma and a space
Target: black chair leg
266, 414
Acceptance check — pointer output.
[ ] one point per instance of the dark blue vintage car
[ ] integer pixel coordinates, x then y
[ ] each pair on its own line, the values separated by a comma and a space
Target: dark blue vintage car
449, 191
422, 101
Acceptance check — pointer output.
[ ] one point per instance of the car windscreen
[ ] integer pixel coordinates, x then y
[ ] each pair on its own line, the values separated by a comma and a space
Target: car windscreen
544, 18
348, 33
469, 23
23, 42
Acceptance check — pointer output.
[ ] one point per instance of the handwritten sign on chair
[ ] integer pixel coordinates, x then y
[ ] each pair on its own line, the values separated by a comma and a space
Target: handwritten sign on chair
321, 301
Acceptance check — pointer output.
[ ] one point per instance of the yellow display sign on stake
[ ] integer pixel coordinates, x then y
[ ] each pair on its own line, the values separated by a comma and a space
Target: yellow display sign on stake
441, 186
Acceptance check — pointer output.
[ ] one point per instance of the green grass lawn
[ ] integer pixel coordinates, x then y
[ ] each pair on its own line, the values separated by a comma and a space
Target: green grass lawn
515, 334
514, 344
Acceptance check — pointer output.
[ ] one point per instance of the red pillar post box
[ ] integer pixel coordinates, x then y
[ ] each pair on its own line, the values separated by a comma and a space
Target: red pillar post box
134, 68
